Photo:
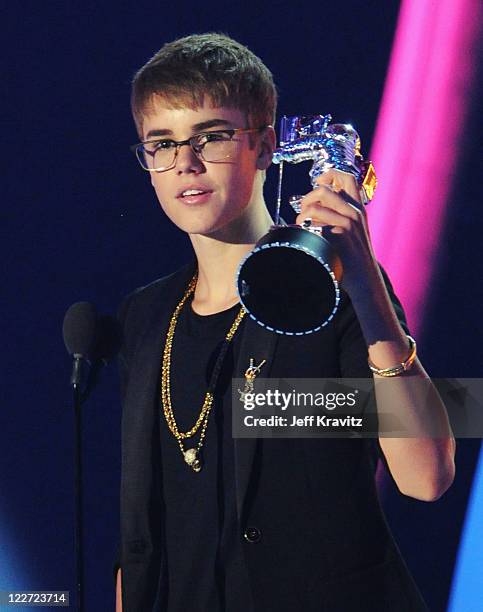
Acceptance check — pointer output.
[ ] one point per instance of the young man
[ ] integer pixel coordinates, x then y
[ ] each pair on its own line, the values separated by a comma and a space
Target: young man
208, 522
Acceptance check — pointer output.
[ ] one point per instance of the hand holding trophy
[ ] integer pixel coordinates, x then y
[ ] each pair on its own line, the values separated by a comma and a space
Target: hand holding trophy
290, 282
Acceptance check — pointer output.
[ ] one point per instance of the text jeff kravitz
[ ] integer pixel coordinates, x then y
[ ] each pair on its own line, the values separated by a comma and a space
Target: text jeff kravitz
308, 420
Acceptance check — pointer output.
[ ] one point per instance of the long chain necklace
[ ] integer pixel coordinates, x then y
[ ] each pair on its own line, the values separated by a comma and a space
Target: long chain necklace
191, 455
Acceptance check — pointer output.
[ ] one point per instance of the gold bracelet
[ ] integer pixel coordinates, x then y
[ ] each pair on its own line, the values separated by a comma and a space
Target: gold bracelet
401, 367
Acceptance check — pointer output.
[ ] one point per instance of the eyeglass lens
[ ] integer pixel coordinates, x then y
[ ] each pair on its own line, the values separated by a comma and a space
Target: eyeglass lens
212, 147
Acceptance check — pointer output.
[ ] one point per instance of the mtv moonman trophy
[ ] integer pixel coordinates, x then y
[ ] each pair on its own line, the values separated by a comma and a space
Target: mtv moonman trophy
289, 283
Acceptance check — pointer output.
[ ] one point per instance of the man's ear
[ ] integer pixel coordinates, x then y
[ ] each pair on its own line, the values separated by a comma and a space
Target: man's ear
268, 143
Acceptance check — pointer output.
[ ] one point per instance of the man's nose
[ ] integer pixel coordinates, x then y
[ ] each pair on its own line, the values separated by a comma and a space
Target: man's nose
187, 160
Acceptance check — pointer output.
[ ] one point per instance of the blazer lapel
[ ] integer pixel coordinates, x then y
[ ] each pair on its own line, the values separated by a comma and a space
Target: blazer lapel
147, 360
140, 477
141, 481
258, 344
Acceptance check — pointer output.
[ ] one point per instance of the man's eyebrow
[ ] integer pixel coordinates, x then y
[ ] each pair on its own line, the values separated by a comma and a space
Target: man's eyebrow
197, 127
204, 125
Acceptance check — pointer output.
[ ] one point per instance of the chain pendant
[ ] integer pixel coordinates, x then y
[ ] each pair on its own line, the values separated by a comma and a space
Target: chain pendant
191, 455
192, 459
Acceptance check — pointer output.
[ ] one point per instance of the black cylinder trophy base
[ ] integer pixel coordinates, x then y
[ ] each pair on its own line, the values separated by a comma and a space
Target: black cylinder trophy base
289, 282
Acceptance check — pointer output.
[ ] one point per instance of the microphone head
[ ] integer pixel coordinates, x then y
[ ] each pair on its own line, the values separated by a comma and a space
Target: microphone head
79, 329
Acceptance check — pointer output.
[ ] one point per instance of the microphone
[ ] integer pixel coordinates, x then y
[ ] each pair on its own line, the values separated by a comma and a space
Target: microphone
79, 331
80, 335
90, 337
95, 339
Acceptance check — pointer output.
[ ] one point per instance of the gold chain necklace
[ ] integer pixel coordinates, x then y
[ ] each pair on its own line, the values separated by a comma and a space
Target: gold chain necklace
191, 455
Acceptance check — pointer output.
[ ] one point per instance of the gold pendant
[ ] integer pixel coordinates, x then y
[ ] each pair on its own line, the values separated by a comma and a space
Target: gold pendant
251, 373
191, 458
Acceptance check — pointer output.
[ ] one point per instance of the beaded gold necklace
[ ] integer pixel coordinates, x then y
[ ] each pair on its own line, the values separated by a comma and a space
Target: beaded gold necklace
191, 455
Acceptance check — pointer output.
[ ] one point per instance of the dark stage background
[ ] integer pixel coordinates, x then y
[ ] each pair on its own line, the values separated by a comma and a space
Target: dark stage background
81, 222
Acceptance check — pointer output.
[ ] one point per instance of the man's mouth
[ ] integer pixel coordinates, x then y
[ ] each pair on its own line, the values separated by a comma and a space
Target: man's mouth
192, 192
195, 195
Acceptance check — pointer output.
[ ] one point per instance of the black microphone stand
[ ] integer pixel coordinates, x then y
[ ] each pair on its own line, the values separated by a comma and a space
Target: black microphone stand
93, 340
78, 534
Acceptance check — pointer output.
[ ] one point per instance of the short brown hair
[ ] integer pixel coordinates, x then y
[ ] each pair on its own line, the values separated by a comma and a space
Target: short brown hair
182, 72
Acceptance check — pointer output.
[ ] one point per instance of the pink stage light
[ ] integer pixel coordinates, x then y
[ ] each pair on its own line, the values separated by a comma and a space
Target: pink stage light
416, 140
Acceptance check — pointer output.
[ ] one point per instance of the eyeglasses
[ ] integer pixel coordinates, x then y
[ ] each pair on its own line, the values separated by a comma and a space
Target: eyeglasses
160, 155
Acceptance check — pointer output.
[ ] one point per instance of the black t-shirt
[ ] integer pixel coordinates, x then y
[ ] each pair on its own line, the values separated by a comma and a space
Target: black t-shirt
206, 570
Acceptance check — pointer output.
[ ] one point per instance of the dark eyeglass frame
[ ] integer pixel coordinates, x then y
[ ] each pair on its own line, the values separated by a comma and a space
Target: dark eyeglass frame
138, 149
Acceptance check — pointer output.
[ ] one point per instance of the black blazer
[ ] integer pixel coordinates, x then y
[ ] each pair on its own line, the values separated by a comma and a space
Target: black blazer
324, 544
